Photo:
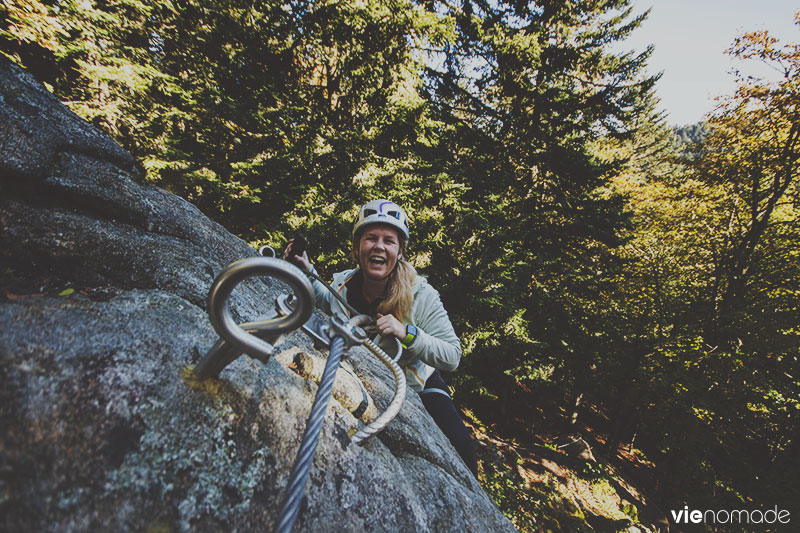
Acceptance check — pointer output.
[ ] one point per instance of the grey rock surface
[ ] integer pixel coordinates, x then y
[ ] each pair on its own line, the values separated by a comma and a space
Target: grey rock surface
104, 426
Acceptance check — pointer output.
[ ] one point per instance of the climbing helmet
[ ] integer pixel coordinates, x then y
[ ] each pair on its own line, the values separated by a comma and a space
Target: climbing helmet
381, 212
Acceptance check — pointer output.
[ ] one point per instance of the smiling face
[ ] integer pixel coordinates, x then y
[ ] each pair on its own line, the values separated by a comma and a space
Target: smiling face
377, 251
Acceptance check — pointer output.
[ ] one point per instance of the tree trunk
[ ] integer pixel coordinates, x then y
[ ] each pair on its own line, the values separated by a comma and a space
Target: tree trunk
573, 417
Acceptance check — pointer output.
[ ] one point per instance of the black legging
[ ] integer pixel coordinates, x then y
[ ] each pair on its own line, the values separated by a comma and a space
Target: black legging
440, 406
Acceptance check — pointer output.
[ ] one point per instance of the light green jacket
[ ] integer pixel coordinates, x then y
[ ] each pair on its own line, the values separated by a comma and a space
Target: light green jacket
436, 345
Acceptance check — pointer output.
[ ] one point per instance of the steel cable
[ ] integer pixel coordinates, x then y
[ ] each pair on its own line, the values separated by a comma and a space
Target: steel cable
350, 309
305, 455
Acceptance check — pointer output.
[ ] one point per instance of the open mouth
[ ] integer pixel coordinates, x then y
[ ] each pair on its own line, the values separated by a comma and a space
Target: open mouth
375, 260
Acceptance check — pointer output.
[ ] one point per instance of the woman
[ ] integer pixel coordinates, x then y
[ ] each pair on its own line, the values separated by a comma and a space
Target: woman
385, 286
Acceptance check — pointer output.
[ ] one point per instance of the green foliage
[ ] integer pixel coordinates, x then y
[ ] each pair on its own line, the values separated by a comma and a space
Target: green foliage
527, 91
688, 139
630, 509
529, 506
709, 289
593, 470
510, 492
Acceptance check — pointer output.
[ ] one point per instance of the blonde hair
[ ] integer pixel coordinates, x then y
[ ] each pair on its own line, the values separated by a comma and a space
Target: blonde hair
400, 285
400, 291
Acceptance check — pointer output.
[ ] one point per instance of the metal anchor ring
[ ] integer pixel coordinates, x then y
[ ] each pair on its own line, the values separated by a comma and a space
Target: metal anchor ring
249, 337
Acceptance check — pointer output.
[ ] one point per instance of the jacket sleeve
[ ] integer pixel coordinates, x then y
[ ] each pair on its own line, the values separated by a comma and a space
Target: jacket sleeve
436, 344
321, 294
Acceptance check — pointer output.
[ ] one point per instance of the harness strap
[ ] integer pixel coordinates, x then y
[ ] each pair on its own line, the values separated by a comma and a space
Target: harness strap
434, 391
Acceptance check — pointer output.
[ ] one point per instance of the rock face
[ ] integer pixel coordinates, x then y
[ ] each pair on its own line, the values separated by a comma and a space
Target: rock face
103, 426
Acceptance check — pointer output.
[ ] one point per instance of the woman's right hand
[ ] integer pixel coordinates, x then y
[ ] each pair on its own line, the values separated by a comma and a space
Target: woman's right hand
299, 260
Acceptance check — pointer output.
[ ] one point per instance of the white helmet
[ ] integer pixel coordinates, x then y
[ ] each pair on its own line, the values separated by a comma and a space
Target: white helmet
381, 212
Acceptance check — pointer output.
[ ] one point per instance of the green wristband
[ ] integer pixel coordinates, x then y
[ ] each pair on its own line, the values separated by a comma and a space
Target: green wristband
411, 334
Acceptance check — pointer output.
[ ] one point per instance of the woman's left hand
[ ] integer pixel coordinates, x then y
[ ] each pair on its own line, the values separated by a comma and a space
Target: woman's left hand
389, 325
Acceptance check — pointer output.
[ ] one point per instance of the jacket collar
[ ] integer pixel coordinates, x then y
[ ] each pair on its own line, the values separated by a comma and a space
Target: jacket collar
340, 280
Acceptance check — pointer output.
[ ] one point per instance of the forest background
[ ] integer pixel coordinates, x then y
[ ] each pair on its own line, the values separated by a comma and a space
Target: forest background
595, 265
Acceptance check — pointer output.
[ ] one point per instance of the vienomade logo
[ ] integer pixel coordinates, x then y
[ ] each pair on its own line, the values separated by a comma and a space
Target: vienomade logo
738, 516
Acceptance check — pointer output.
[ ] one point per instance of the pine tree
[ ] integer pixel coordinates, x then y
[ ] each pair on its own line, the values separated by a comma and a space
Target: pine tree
530, 89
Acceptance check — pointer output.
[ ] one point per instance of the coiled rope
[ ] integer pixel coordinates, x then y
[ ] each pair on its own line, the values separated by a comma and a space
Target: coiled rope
397, 401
